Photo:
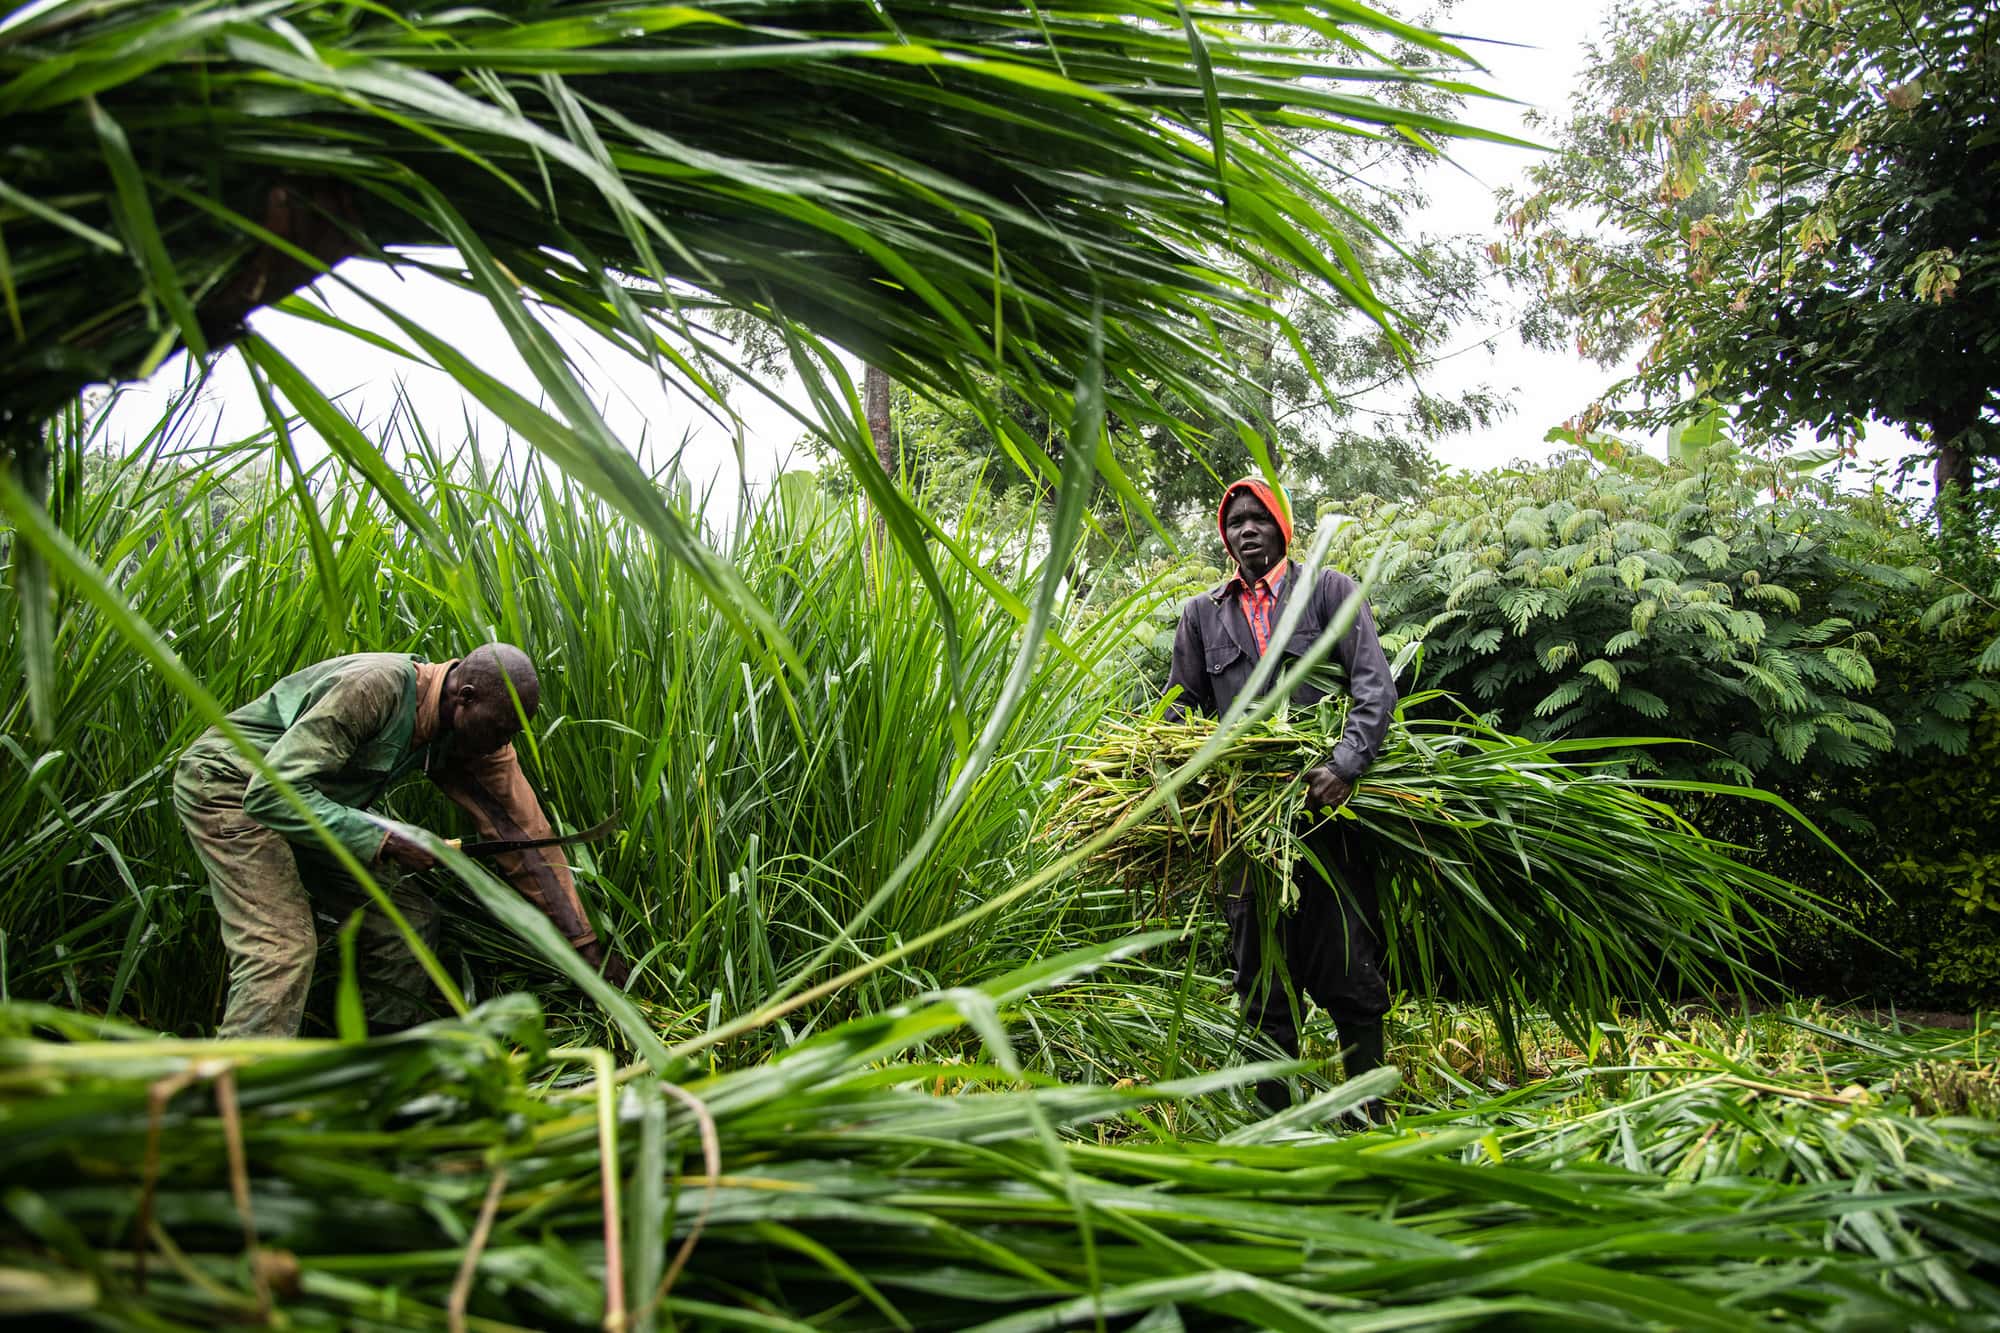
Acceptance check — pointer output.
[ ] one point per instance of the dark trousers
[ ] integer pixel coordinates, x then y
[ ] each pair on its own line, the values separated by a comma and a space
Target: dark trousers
1330, 946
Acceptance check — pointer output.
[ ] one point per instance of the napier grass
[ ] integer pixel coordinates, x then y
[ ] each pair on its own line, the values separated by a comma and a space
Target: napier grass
1517, 873
460, 1176
756, 817
477, 1174
495, 1173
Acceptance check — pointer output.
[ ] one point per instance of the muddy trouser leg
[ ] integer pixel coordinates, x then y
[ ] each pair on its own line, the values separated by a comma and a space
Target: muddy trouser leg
1267, 999
394, 990
1339, 956
267, 921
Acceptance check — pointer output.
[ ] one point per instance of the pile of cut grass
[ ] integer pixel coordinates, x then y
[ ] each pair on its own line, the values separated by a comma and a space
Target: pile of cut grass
1898, 1127
1451, 1053
451, 1177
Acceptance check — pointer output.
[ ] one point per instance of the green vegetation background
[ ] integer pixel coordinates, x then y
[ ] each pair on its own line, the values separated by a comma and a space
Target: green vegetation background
1795, 634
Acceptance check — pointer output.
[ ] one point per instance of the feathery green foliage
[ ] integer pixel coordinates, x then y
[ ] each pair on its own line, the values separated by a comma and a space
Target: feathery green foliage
1932, 844
1582, 600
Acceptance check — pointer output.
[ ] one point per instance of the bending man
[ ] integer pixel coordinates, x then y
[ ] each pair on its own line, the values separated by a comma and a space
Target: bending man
340, 733
1331, 944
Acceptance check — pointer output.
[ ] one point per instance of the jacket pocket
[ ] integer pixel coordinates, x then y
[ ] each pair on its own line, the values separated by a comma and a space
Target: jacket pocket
1222, 656
373, 760
1311, 626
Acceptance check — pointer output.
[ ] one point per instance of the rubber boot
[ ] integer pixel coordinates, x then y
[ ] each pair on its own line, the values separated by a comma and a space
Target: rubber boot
1361, 1051
1361, 1047
1274, 1093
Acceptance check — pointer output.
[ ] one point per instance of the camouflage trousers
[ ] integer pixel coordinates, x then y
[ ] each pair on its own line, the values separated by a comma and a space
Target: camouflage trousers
268, 893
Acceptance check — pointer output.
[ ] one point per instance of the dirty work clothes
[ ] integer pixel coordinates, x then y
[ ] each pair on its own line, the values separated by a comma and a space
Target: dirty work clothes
1331, 945
341, 732
267, 892
1215, 652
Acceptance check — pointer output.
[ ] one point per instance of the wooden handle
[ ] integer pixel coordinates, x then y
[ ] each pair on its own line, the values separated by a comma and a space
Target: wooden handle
454, 843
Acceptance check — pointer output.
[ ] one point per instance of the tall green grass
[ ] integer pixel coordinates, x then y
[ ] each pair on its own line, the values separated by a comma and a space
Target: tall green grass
461, 1176
967, 197
756, 820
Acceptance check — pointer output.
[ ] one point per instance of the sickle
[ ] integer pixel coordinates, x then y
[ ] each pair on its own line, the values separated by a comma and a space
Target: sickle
501, 846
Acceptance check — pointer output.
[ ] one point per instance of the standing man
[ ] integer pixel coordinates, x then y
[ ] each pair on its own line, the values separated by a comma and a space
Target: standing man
340, 733
1331, 944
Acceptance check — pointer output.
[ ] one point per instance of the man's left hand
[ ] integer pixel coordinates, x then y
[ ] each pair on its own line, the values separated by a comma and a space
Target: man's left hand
608, 963
1326, 789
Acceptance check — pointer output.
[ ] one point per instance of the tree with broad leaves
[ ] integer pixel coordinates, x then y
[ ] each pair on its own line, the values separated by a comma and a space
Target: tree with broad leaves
1790, 207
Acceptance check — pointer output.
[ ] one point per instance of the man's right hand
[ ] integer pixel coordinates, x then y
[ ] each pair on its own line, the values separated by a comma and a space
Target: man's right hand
405, 850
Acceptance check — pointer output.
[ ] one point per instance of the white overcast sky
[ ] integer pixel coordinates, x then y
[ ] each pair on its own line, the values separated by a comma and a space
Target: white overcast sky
1535, 58
1537, 68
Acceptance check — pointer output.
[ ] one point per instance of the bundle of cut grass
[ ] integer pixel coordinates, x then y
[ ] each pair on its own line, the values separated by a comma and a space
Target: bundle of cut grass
948, 191
1517, 873
445, 1179
1908, 1121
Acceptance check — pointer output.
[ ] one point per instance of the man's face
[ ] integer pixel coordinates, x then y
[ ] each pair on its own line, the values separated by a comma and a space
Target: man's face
1253, 537
485, 718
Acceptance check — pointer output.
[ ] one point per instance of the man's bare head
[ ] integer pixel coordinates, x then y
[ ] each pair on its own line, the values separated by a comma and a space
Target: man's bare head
480, 693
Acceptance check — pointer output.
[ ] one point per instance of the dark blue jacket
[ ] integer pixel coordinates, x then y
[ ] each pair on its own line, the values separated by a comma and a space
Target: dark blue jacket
1214, 654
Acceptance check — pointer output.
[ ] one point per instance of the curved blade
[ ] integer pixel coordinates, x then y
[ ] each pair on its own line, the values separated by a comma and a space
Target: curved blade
501, 846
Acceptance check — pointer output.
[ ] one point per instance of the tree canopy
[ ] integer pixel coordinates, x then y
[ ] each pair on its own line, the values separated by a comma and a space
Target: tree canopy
1787, 208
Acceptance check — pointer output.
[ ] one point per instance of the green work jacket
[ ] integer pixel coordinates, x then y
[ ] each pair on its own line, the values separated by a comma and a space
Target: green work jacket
340, 732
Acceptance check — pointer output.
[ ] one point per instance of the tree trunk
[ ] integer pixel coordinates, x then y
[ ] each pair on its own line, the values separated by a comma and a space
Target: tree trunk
1954, 432
1953, 468
318, 216
1265, 371
875, 396
24, 451
875, 401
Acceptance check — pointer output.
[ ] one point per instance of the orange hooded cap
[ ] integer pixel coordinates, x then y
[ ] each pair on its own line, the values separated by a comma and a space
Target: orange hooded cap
1267, 497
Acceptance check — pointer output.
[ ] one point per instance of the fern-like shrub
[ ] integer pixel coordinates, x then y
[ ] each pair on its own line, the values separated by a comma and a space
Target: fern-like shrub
1731, 604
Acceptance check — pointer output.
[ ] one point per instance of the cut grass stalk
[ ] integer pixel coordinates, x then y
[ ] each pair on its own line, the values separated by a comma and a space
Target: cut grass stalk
1525, 875
840, 1193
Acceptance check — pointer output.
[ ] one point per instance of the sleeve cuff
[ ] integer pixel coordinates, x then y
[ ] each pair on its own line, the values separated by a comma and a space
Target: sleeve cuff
1347, 765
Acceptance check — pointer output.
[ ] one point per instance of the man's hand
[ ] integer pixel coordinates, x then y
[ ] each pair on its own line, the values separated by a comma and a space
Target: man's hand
1326, 789
608, 963
404, 849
